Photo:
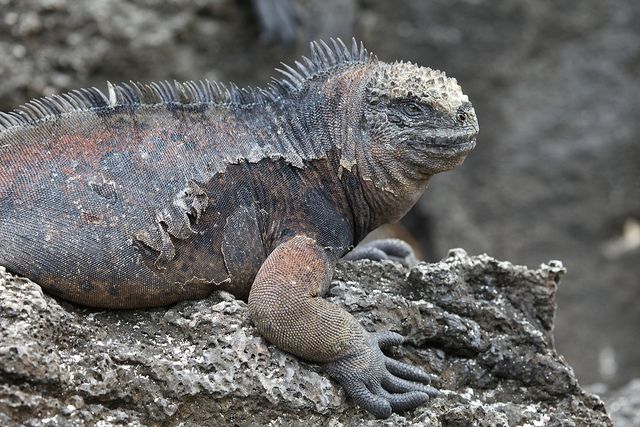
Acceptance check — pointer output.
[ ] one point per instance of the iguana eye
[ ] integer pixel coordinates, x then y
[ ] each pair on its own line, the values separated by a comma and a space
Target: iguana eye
412, 109
462, 117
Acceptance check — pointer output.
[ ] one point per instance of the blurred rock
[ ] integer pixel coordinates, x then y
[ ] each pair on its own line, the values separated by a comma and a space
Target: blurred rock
484, 326
624, 405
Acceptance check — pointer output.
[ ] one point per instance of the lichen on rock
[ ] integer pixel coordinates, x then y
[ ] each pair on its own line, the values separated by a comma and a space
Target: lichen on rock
483, 326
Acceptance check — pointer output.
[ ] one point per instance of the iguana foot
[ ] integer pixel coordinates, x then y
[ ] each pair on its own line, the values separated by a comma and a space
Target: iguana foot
378, 383
384, 249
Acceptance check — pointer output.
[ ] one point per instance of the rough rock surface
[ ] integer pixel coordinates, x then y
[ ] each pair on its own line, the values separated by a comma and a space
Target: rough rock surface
484, 326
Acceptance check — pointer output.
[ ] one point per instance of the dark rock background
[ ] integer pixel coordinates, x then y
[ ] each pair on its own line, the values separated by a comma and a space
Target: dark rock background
556, 86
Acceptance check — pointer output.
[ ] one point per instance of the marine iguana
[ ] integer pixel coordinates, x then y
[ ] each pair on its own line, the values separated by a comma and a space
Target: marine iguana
155, 193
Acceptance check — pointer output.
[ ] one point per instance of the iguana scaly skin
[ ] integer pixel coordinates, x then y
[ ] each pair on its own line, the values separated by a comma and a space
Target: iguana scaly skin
157, 193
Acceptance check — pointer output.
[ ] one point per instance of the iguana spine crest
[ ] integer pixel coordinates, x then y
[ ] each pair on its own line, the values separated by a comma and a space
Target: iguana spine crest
190, 95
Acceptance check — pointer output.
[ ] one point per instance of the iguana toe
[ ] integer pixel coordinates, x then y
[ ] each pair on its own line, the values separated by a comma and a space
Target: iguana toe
377, 382
408, 372
384, 249
372, 402
405, 401
399, 385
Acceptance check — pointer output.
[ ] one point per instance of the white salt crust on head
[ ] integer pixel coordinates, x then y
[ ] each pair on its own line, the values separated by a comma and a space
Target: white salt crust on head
404, 80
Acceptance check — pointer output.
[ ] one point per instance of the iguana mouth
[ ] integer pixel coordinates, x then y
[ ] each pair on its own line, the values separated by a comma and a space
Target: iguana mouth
452, 149
446, 147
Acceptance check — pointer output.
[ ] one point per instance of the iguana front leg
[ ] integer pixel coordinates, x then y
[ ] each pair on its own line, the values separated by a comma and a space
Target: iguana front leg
286, 306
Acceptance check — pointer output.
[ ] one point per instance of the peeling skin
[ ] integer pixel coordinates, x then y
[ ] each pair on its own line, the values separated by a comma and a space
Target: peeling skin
346, 164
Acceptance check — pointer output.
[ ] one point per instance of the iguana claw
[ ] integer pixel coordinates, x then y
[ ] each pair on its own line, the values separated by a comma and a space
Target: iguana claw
378, 383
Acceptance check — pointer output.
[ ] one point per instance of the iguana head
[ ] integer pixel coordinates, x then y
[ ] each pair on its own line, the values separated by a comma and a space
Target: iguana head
416, 122
417, 117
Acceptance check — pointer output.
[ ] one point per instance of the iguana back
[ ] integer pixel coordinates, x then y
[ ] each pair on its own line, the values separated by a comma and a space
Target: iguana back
97, 193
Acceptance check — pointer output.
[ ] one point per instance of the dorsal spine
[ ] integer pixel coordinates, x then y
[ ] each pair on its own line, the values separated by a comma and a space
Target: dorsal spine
191, 94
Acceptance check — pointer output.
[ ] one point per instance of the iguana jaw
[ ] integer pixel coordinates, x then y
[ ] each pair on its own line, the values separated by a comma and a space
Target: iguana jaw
448, 150
444, 147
